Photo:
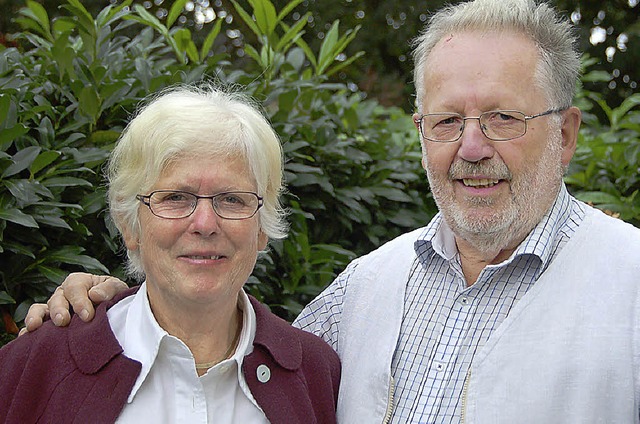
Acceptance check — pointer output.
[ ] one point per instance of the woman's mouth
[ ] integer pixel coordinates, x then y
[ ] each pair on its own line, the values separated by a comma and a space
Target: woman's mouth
203, 257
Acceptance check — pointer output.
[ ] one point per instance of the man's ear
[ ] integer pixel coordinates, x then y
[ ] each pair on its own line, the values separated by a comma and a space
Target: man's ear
416, 123
415, 118
571, 119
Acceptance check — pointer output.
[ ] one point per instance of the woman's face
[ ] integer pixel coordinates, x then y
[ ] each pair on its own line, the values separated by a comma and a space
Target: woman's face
201, 259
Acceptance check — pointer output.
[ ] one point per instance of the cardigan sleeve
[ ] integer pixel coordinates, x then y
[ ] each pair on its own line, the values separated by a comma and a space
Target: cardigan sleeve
46, 377
13, 359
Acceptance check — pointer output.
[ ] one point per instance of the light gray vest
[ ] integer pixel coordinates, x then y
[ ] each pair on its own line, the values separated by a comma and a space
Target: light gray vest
569, 351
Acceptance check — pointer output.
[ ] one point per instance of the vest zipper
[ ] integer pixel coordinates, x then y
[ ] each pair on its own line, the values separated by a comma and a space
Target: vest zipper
387, 415
465, 388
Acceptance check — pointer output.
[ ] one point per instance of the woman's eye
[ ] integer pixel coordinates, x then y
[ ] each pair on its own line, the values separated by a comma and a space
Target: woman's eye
175, 197
232, 200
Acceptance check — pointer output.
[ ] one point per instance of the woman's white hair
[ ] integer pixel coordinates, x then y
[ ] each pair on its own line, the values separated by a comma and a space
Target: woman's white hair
189, 123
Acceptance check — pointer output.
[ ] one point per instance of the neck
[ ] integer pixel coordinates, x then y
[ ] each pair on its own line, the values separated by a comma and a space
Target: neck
202, 367
474, 260
210, 340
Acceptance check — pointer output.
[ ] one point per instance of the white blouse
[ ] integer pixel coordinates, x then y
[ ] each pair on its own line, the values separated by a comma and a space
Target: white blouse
168, 389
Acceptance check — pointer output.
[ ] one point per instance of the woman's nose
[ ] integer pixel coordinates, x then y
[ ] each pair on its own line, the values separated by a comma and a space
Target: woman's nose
204, 219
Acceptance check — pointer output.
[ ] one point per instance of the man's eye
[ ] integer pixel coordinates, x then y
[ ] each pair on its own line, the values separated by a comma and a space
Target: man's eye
504, 116
448, 121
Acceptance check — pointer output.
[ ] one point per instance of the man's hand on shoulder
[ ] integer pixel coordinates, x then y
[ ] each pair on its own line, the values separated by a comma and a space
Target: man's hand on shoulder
78, 292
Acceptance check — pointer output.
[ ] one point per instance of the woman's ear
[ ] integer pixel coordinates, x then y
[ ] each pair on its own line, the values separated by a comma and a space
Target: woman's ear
263, 239
131, 240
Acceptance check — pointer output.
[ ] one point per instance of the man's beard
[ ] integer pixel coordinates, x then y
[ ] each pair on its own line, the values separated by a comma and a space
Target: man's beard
487, 223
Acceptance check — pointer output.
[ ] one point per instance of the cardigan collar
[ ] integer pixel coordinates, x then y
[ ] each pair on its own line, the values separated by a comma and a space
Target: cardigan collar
275, 335
272, 333
95, 336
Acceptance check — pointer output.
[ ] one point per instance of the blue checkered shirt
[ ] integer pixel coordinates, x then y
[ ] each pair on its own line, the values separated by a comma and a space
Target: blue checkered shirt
445, 322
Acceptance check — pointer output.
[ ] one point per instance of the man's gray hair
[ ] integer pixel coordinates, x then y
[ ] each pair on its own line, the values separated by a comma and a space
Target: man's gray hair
558, 69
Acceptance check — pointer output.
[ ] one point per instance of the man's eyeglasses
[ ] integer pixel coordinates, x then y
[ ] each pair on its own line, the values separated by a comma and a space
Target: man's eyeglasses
173, 204
497, 125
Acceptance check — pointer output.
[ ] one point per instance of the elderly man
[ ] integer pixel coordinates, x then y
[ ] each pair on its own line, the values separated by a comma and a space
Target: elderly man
517, 303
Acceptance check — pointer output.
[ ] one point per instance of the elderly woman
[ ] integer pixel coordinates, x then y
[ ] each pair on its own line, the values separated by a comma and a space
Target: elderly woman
194, 183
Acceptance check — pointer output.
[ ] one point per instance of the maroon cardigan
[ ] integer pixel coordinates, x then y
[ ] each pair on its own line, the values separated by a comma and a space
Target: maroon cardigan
78, 374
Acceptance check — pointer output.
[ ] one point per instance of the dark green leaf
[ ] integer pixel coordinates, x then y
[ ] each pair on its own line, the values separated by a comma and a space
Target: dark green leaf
55, 275
5, 299
22, 160
9, 134
70, 255
89, 102
27, 192
66, 182
18, 217
44, 159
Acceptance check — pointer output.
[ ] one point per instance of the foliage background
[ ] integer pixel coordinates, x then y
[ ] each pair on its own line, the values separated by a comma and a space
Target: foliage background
609, 31
70, 76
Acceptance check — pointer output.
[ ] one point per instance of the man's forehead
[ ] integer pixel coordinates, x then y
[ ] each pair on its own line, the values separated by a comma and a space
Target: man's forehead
481, 64
492, 42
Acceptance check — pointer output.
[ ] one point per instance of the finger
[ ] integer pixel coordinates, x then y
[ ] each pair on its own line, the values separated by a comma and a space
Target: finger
106, 289
37, 313
58, 307
75, 290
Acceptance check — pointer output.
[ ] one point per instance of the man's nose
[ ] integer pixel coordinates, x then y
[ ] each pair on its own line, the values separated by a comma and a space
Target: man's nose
474, 144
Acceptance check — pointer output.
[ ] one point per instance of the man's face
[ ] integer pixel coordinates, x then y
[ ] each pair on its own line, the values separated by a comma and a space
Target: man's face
491, 193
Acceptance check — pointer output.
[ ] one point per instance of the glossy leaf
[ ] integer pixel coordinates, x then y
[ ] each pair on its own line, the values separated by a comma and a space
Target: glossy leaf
43, 160
175, 11
5, 299
72, 255
22, 160
18, 217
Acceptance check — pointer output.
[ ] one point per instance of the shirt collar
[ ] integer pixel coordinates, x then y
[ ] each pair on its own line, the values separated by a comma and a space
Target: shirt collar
438, 237
143, 335
541, 241
245, 342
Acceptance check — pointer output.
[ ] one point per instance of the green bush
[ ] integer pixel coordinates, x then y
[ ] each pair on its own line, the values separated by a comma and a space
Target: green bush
352, 166
605, 170
64, 97
67, 91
